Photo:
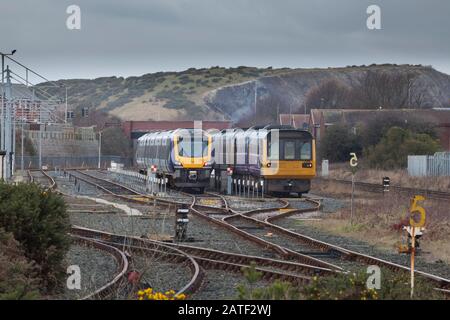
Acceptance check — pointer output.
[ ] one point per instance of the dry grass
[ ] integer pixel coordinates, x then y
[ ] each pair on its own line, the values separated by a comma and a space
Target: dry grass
143, 108
377, 220
398, 177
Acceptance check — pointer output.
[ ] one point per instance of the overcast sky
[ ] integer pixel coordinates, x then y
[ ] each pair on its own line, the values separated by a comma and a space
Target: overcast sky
133, 37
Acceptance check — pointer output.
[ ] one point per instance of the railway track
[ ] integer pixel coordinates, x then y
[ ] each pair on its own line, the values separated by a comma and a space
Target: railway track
41, 177
110, 187
332, 252
271, 269
378, 188
211, 211
110, 287
213, 259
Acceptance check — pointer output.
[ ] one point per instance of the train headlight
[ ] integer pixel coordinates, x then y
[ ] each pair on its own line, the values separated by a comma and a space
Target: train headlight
269, 165
207, 163
307, 165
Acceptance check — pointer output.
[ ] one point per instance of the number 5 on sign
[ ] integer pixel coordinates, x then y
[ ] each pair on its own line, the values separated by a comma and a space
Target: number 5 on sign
353, 159
416, 208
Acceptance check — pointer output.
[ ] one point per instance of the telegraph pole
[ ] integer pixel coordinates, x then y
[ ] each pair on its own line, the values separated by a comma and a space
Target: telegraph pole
8, 126
99, 149
256, 94
6, 120
65, 115
40, 146
21, 144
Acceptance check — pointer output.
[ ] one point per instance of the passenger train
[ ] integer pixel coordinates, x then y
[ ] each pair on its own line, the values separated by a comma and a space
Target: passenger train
280, 158
183, 156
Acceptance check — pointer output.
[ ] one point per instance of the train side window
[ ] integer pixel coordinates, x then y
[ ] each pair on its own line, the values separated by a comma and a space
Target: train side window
247, 150
273, 151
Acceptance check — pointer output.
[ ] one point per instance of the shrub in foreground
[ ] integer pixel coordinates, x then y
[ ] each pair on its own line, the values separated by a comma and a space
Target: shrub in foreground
394, 286
39, 222
342, 286
17, 276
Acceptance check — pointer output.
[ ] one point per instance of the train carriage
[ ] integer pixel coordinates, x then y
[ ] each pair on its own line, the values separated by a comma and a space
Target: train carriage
182, 155
282, 157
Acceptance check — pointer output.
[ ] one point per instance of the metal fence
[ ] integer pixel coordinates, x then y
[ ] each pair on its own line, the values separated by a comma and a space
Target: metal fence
429, 166
32, 162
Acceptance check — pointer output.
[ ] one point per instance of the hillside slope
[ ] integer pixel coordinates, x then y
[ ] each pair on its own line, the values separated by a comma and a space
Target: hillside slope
287, 92
157, 96
220, 93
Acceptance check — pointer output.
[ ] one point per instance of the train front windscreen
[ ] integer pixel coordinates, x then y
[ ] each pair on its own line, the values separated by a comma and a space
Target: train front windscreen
290, 146
193, 147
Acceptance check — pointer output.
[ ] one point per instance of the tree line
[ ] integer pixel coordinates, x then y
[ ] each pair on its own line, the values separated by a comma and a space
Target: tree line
384, 142
374, 90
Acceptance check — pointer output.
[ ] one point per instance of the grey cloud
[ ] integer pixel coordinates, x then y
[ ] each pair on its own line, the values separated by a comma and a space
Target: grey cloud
139, 36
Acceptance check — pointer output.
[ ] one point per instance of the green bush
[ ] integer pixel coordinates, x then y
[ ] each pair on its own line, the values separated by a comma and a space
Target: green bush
338, 143
39, 222
380, 124
395, 146
18, 280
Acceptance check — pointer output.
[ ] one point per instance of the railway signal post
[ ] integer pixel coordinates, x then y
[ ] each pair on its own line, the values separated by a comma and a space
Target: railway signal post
415, 209
353, 166
262, 188
229, 180
386, 184
181, 223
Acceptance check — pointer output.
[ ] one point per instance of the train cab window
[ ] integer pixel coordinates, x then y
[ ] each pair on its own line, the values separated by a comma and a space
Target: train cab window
289, 150
192, 148
305, 150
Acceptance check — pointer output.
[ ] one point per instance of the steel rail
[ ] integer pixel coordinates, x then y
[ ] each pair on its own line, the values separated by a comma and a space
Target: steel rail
346, 254
174, 254
378, 188
214, 259
286, 253
122, 267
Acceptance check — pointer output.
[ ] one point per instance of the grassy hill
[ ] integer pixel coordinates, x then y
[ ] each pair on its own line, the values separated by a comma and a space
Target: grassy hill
228, 93
158, 96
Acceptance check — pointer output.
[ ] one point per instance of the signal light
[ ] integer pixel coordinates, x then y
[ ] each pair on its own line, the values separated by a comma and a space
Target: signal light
153, 168
230, 171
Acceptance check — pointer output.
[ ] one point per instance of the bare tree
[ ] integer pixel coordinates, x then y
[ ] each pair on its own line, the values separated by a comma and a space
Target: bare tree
388, 90
330, 94
268, 110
